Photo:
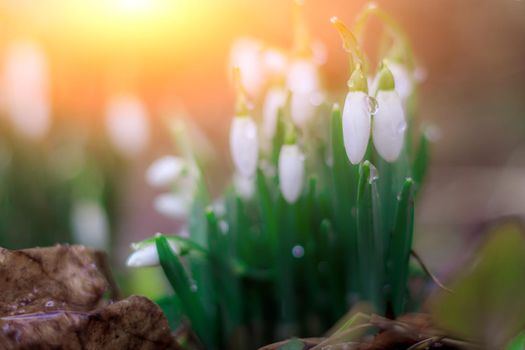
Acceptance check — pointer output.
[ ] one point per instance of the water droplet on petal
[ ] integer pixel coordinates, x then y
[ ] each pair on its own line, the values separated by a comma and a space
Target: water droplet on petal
373, 106
374, 175
298, 251
401, 127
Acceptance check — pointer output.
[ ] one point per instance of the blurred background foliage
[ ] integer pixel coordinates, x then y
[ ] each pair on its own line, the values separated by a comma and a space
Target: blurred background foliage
172, 56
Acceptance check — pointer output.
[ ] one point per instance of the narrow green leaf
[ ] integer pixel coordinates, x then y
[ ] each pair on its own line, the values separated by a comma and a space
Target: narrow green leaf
370, 237
421, 160
185, 289
400, 247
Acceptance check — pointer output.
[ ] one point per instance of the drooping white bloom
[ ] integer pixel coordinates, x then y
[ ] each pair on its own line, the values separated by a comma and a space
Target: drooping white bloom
165, 171
303, 76
90, 224
244, 186
244, 145
389, 125
246, 53
304, 83
275, 99
291, 172
147, 255
26, 88
127, 124
172, 205
275, 62
356, 125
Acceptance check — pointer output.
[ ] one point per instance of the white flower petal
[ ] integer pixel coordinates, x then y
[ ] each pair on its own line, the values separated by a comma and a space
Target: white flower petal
90, 224
246, 54
302, 109
275, 62
303, 77
147, 256
389, 125
275, 99
244, 145
291, 172
164, 171
356, 125
26, 88
173, 206
127, 124
244, 186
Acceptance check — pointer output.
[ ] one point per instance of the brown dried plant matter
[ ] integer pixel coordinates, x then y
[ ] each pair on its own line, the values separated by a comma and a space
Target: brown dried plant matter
54, 298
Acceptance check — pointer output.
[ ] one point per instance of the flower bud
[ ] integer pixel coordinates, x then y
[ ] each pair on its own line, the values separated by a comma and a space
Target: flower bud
291, 172
244, 145
356, 125
244, 186
246, 53
172, 205
389, 125
164, 171
145, 255
275, 99
127, 124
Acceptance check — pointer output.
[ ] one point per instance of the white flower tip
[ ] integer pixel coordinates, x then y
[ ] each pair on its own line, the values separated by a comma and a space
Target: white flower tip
173, 206
244, 145
291, 172
389, 126
147, 255
164, 171
143, 257
356, 125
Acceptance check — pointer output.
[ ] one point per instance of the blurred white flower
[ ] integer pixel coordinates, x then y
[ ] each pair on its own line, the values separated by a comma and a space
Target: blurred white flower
246, 53
26, 88
356, 125
275, 99
304, 83
244, 186
389, 125
291, 172
244, 145
147, 255
90, 224
175, 206
165, 171
303, 76
127, 124
275, 62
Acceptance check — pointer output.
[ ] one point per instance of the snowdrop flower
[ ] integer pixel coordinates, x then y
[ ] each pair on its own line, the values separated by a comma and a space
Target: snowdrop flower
146, 255
244, 186
246, 53
90, 224
356, 118
275, 62
291, 170
389, 121
165, 171
275, 99
127, 124
304, 83
175, 206
244, 145
26, 88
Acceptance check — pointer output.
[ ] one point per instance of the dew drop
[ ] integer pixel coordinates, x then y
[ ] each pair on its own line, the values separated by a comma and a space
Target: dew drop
401, 127
373, 174
298, 251
193, 287
373, 106
50, 303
